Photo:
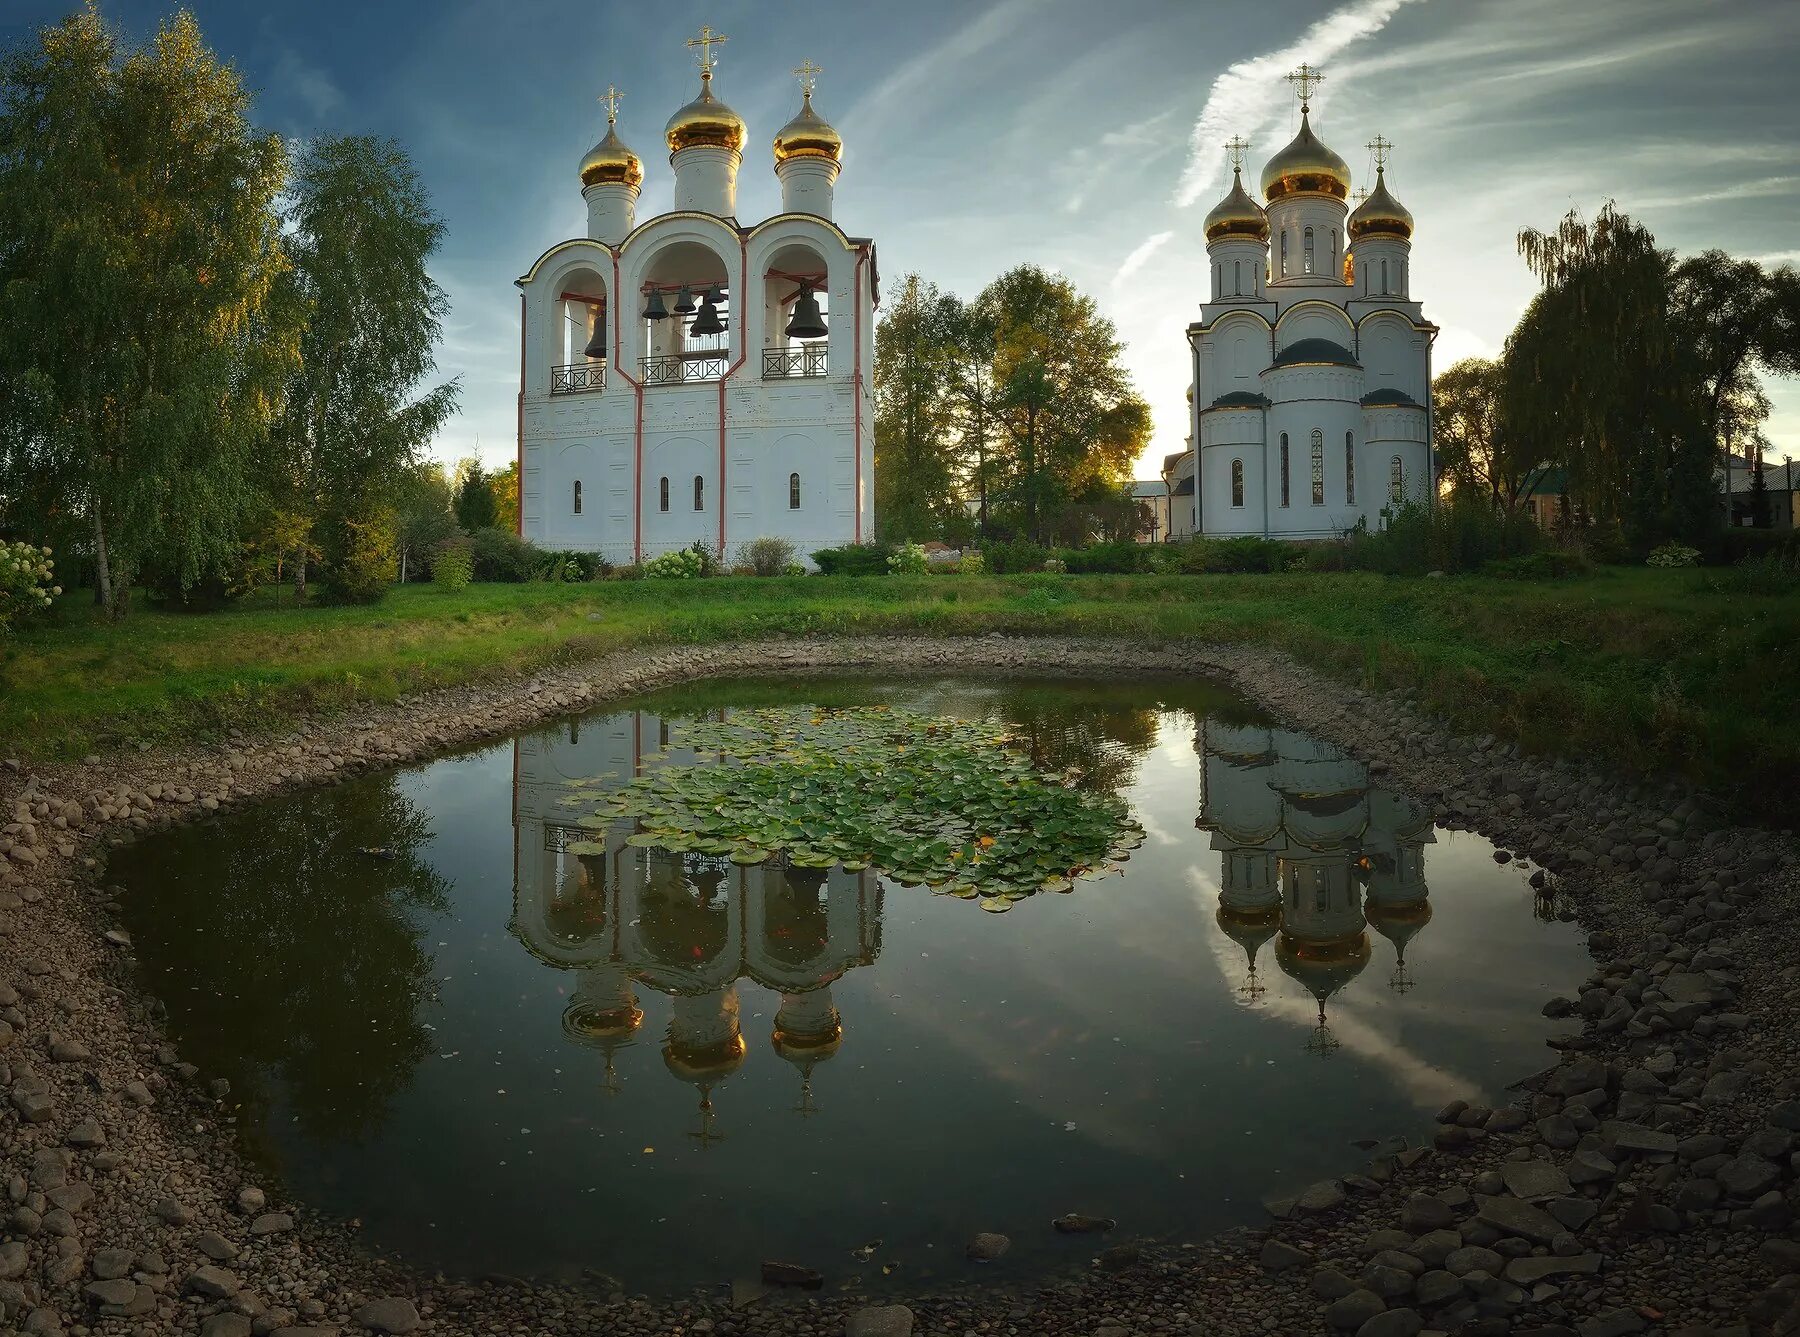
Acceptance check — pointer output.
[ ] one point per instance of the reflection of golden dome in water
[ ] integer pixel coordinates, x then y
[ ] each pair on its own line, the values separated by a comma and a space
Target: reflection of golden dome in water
582, 1021
1250, 928
705, 1063
805, 1047
1325, 967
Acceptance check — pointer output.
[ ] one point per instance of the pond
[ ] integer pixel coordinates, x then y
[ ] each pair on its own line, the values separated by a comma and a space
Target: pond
496, 1019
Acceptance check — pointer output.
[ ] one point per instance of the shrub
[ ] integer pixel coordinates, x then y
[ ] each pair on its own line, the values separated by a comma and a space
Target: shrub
1459, 534
1121, 557
972, 564
571, 566
501, 555
1673, 554
1776, 571
630, 571
908, 559
854, 559
1055, 566
681, 564
1014, 556
25, 588
1329, 555
362, 558
453, 567
1606, 545
793, 569
767, 556
1550, 564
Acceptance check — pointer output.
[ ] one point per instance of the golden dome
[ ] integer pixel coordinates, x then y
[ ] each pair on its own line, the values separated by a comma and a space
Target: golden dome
610, 162
1381, 214
1305, 167
1237, 215
705, 121
800, 1047
700, 1063
808, 135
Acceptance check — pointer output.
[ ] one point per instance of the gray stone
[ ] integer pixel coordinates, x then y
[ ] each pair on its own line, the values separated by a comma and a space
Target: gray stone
1579, 1072
1435, 1246
216, 1247
1636, 1137
111, 1264
1394, 1323
1510, 1216
168, 1209
1534, 1180
251, 1200
86, 1135
1473, 1258
1748, 1175
272, 1223
987, 1246
14, 1259
1390, 1283
226, 1325
1572, 1212
1424, 1212
211, 1281
1613, 1323
390, 1313
1330, 1284
880, 1321
1321, 1197
1530, 1271
1350, 1312
1437, 1288
1278, 1256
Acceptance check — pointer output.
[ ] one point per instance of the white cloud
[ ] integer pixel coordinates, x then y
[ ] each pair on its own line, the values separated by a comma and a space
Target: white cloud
309, 85
1140, 256
1249, 95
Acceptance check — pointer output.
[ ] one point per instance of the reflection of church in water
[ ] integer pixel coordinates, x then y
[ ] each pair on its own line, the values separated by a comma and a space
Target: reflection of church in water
690, 926
1311, 856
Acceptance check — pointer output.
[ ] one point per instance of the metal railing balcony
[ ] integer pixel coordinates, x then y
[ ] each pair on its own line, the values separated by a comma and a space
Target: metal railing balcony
781, 364
683, 368
577, 378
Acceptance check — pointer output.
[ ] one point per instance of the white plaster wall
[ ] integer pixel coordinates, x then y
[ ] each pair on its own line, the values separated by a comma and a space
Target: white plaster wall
1291, 217
1314, 319
1393, 353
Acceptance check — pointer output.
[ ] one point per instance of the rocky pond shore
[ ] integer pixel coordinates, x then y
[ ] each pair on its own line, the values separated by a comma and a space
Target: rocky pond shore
1643, 1182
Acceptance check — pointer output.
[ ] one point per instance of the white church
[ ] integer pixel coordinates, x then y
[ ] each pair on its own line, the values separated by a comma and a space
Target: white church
1309, 408
693, 378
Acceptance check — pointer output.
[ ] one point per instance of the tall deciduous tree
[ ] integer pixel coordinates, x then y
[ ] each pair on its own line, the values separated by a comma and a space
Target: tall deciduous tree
1068, 415
914, 445
1473, 447
362, 235
142, 353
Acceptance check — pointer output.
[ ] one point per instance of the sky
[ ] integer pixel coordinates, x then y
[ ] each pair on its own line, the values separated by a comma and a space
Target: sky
1082, 137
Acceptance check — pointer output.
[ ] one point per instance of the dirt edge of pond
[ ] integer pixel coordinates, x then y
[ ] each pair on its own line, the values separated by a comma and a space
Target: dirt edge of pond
1646, 1183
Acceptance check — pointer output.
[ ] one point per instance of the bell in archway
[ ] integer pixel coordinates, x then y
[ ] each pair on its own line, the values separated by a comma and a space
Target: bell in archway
807, 322
653, 306
684, 301
708, 322
596, 346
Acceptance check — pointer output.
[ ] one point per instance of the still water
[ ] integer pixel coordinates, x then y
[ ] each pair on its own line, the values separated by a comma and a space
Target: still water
500, 1055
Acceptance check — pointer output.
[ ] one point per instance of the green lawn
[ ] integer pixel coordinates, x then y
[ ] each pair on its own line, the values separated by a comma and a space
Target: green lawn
1644, 668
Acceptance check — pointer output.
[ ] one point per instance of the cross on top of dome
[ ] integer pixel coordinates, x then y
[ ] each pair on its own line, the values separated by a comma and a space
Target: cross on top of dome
1304, 80
706, 41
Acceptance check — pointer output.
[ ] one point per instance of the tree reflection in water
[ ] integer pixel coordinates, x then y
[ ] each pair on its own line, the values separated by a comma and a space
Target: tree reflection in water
303, 964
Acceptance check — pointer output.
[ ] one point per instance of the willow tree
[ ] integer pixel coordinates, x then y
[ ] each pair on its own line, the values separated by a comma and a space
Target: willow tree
914, 439
1067, 413
1474, 449
361, 232
141, 350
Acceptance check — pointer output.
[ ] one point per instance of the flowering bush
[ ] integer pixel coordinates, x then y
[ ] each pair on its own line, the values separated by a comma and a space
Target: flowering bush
25, 587
1055, 566
908, 559
1674, 554
972, 563
685, 564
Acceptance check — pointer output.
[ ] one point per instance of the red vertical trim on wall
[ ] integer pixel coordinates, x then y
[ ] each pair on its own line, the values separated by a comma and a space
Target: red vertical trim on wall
743, 332
519, 455
862, 258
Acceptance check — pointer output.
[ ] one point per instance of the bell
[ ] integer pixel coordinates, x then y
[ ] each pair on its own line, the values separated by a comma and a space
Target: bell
684, 303
596, 346
807, 323
653, 308
707, 322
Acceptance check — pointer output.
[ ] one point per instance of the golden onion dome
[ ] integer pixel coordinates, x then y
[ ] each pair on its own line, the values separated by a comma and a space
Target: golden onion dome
1381, 214
808, 135
705, 121
808, 1046
610, 162
705, 1063
1305, 167
1237, 215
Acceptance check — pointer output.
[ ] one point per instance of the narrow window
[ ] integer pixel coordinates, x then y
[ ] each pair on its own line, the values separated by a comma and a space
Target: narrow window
793, 492
1318, 467
1284, 470
699, 493
1334, 259
578, 496
1396, 481
663, 495
1350, 468
1237, 483
1284, 253
1384, 278
1307, 254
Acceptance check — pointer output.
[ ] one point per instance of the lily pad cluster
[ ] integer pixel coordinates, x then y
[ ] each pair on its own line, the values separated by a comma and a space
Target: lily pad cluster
945, 803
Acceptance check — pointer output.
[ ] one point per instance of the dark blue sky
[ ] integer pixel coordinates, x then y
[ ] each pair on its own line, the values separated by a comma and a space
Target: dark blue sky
1081, 136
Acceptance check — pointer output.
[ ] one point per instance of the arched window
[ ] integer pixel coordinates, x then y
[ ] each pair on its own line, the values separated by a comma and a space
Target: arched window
1284, 470
793, 492
1307, 266
1237, 483
1334, 253
1396, 481
699, 493
1284, 252
663, 495
1384, 278
578, 496
1237, 278
1318, 467
1350, 468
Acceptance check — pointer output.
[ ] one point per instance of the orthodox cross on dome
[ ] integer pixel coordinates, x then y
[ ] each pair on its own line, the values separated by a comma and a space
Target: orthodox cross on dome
611, 97
808, 75
1360, 194
706, 41
1380, 148
1234, 148
1304, 80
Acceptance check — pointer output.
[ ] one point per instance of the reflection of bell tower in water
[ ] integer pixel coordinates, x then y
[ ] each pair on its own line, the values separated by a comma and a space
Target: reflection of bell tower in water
689, 926
1301, 835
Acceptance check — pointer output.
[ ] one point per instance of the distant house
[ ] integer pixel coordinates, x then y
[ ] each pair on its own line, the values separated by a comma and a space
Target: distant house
1152, 497
1542, 492
1178, 480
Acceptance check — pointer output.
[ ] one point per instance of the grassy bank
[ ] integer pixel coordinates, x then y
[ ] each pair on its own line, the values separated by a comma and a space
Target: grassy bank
1647, 669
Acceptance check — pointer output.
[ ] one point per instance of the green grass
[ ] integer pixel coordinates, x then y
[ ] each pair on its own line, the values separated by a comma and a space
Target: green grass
1640, 668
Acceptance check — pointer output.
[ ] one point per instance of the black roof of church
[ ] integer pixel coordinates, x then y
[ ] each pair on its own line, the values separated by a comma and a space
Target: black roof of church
1316, 350
1389, 396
